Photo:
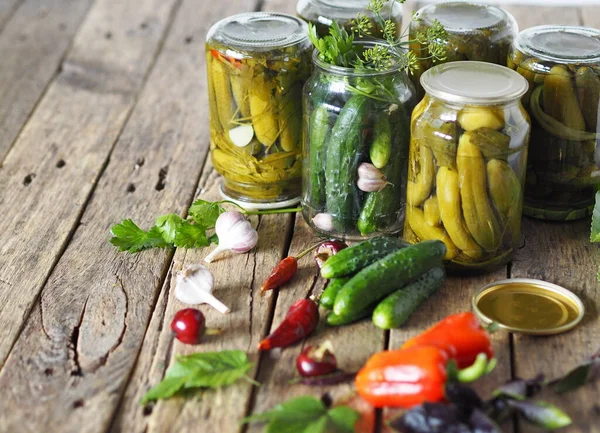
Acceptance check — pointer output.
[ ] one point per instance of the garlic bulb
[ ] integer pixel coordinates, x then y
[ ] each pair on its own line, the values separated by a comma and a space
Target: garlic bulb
235, 234
194, 286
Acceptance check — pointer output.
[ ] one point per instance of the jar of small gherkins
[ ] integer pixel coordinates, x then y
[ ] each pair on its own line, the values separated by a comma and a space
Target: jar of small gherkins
466, 171
257, 64
356, 131
562, 65
475, 32
322, 13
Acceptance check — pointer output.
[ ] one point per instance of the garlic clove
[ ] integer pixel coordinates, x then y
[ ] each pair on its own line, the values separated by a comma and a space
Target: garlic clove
194, 286
370, 178
242, 135
323, 221
235, 234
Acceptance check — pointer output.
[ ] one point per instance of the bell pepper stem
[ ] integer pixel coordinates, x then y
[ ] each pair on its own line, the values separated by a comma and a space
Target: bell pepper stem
480, 367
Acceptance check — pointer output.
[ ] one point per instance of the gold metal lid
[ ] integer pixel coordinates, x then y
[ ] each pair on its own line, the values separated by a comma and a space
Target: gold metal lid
528, 306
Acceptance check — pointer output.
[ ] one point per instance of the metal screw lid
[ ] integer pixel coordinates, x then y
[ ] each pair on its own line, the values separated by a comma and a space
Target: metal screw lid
463, 17
562, 44
259, 31
474, 83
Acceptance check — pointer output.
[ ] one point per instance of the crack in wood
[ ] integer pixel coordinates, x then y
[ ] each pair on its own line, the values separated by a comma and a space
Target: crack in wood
74, 343
162, 178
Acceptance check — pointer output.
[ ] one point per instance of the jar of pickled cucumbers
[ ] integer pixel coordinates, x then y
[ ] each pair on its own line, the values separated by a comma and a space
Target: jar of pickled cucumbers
257, 64
356, 130
562, 65
466, 171
475, 32
322, 13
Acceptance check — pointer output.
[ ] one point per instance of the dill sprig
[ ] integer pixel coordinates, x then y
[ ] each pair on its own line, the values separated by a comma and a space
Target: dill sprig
338, 49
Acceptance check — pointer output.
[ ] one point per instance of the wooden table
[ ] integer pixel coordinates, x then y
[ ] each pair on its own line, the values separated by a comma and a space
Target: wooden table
103, 116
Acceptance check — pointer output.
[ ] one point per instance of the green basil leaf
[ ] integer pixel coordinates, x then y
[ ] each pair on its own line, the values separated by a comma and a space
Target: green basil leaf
342, 419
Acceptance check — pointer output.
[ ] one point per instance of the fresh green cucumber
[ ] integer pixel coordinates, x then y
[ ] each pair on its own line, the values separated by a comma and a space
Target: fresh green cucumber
344, 153
353, 259
380, 209
396, 308
331, 291
387, 274
333, 319
319, 127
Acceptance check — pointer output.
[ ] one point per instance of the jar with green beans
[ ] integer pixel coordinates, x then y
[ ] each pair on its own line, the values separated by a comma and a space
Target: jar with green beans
356, 137
257, 65
476, 32
466, 171
562, 65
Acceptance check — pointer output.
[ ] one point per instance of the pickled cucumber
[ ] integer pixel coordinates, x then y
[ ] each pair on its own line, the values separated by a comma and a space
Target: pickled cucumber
472, 118
588, 90
560, 98
419, 188
416, 220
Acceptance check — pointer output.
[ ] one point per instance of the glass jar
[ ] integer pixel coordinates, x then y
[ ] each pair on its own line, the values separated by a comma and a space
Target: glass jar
466, 170
477, 32
562, 65
322, 13
257, 64
356, 133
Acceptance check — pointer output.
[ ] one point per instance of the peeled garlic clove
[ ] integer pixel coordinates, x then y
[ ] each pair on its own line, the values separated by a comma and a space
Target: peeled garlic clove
241, 136
323, 221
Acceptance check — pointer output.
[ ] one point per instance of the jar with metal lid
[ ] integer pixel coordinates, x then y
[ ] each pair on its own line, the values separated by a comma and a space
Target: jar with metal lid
562, 65
257, 64
466, 171
322, 13
475, 32
356, 137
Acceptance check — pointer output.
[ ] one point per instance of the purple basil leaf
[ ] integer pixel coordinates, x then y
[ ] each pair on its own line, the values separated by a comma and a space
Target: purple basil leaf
431, 418
463, 396
498, 409
542, 414
520, 389
481, 423
579, 376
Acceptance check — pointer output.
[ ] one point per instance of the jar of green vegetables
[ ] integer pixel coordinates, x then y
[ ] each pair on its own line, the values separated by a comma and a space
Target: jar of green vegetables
562, 65
466, 170
322, 13
475, 31
356, 136
257, 64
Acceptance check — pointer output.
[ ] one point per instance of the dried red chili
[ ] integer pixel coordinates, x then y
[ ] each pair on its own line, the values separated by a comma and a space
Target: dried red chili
284, 271
300, 320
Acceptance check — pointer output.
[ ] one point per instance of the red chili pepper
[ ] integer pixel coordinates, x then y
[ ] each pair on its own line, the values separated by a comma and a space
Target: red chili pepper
281, 274
300, 320
316, 361
460, 335
403, 378
222, 57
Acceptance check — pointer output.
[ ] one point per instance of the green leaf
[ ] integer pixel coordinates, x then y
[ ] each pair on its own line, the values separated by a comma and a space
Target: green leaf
579, 376
595, 232
191, 236
127, 236
168, 225
201, 370
205, 213
306, 414
541, 414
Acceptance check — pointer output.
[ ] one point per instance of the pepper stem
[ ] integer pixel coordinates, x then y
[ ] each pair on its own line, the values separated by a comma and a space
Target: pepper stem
480, 367
308, 250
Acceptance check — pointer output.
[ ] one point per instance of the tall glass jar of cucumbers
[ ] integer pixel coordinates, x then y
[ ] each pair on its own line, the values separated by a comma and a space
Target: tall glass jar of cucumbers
562, 65
322, 13
475, 32
356, 129
466, 170
257, 64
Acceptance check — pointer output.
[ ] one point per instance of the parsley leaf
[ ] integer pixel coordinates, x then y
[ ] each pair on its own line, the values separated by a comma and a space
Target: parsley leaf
595, 233
205, 212
201, 370
191, 236
307, 414
127, 236
168, 225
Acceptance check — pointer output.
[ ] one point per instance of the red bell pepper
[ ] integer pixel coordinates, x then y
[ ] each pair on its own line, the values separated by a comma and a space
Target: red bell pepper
460, 336
403, 378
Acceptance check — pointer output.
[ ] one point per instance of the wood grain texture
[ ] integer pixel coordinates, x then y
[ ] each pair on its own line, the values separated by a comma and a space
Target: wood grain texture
33, 42
7, 10
48, 177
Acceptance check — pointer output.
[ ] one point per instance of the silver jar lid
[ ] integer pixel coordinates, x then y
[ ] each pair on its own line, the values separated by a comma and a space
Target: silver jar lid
259, 31
464, 17
474, 83
562, 44
327, 10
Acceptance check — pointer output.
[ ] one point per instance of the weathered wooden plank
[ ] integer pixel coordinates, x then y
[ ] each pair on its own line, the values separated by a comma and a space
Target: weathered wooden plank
32, 44
94, 295
590, 16
7, 10
47, 178
535, 15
